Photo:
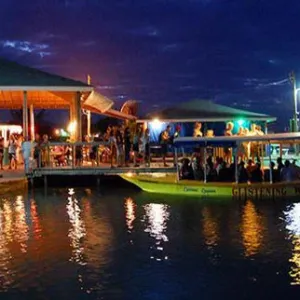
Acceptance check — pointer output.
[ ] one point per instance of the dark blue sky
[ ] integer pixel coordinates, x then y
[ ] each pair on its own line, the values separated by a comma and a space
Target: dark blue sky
236, 52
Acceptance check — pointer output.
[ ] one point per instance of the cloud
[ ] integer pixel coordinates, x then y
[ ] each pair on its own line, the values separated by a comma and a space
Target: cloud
109, 87
187, 88
146, 31
170, 47
40, 49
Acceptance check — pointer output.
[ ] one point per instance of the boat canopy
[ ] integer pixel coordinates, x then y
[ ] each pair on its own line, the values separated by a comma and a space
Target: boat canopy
218, 141
204, 111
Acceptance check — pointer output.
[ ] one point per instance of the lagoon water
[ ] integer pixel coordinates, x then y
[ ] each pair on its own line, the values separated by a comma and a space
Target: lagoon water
126, 244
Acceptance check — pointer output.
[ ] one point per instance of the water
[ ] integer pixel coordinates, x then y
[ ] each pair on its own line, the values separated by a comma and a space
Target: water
124, 244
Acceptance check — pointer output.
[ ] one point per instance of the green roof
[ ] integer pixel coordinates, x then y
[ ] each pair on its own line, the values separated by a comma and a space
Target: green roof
207, 110
13, 74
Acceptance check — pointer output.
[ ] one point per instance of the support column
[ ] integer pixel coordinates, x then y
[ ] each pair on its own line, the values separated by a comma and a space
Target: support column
266, 128
88, 116
77, 117
72, 120
32, 125
25, 115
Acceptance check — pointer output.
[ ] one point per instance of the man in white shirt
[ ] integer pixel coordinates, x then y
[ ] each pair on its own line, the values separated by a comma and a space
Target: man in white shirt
26, 150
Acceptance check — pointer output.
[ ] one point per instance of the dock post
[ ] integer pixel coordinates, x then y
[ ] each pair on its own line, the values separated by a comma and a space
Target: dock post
31, 181
270, 163
45, 181
98, 181
205, 171
176, 164
236, 171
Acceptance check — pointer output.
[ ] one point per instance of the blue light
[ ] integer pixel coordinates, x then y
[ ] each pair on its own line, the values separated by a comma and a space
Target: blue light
241, 122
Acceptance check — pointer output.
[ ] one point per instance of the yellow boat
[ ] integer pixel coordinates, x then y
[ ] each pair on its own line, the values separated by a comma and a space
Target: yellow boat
169, 183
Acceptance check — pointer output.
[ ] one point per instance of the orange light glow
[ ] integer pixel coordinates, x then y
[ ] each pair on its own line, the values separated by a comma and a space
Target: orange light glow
210, 228
252, 229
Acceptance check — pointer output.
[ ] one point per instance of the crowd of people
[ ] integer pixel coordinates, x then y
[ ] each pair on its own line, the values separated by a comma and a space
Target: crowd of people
223, 169
129, 143
220, 171
120, 145
14, 146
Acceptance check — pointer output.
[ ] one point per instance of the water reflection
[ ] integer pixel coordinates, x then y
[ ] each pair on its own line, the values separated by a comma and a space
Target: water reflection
35, 220
77, 229
293, 225
157, 216
130, 213
13, 237
5, 237
210, 228
20, 223
252, 229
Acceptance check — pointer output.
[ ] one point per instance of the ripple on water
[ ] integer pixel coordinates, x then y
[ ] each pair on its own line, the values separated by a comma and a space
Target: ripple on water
81, 245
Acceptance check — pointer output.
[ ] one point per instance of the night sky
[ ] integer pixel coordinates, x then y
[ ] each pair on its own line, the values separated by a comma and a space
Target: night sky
159, 52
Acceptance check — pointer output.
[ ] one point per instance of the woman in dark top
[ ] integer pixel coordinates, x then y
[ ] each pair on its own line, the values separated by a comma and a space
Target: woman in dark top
127, 145
186, 170
256, 174
242, 173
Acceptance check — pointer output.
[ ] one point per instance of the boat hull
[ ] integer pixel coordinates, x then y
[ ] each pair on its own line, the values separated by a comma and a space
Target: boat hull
168, 185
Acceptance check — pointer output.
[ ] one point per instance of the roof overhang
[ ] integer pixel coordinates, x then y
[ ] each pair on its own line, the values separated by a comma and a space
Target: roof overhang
119, 115
275, 138
109, 113
48, 88
261, 119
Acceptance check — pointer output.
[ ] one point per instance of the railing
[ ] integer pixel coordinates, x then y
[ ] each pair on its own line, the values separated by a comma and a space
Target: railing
85, 155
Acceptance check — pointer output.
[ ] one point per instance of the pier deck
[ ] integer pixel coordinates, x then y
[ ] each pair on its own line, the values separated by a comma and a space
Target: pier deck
98, 170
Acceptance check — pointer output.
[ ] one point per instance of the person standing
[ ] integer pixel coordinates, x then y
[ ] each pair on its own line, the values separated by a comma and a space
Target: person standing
1, 152
136, 145
119, 146
127, 144
12, 149
45, 151
197, 130
228, 151
37, 150
145, 147
164, 142
26, 152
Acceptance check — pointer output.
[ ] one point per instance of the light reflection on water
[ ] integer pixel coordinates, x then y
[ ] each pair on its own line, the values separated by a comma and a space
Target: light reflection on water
210, 228
76, 244
13, 236
251, 229
157, 216
292, 217
77, 229
37, 230
130, 213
